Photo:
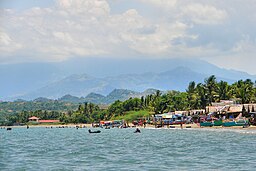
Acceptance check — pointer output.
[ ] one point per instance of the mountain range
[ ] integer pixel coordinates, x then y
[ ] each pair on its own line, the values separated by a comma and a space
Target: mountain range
116, 94
54, 80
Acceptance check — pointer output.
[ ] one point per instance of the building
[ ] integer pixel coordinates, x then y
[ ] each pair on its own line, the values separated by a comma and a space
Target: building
38, 120
33, 119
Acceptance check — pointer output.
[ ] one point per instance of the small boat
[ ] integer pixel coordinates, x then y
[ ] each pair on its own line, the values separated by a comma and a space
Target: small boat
217, 123
211, 123
98, 131
206, 124
235, 123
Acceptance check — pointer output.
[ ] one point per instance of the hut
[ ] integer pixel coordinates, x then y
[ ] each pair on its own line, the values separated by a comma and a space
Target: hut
33, 119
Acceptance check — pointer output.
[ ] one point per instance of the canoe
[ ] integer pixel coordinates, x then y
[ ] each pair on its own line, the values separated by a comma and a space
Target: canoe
210, 123
206, 124
218, 123
98, 131
235, 123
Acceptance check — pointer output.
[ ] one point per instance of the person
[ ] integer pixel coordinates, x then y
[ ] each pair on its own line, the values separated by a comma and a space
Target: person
27, 126
137, 130
144, 123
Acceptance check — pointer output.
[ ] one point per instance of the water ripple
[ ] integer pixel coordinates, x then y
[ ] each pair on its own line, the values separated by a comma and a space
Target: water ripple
121, 149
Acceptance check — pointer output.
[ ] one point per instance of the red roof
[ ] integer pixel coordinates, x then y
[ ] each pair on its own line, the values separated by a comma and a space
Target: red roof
49, 121
33, 117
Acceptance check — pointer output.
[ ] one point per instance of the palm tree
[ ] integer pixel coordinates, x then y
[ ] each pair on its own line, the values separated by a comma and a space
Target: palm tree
211, 84
202, 96
191, 95
244, 90
223, 90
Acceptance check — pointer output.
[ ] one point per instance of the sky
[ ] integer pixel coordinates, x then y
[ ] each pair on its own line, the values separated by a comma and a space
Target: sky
220, 32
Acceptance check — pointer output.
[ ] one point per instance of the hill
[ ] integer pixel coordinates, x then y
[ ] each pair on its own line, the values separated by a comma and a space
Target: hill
54, 80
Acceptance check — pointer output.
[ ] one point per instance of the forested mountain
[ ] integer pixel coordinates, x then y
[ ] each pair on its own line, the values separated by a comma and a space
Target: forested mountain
54, 80
82, 85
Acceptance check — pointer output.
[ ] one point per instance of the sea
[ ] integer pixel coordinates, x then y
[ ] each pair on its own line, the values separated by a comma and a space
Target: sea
60, 149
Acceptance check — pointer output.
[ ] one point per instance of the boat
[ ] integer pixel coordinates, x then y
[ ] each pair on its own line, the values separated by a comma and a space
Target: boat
235, 123
98, 131
211, 123
217, 123
206, 124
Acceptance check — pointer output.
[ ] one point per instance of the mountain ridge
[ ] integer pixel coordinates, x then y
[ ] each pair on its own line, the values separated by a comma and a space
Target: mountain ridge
29, 81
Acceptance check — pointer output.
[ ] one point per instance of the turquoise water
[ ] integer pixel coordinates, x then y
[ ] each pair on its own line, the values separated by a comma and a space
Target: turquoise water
121, 149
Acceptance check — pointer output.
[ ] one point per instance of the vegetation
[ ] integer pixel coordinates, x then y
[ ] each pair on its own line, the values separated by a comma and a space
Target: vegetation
133, 115
196, 96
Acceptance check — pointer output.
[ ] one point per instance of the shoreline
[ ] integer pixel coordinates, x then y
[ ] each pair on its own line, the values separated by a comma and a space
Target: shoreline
184, 126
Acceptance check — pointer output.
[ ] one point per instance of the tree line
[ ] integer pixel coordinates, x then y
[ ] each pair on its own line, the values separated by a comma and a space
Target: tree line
196, 96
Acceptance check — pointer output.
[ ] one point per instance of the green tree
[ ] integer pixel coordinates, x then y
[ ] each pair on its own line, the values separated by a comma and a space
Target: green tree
210, 84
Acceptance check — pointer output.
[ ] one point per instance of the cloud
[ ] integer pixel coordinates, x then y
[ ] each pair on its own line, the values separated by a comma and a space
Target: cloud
161, 3
204, 14
202, 29
7, 45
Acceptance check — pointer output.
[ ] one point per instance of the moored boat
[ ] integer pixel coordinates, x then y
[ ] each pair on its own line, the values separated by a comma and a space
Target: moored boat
206, 124
217, 123
211, 123
235, 123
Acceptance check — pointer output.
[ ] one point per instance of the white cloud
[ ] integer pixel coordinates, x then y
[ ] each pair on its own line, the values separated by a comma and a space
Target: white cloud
204, 14
203, 29
7, 45
161, 3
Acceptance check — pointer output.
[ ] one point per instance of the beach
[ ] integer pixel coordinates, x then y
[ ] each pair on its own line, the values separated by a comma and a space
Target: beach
184, 126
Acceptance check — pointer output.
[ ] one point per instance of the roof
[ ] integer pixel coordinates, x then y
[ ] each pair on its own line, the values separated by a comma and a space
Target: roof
167, 116
49, 121
33, 117
236, 108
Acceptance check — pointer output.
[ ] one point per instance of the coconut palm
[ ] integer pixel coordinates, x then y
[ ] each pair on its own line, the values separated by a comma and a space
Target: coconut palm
223, 90
211, 84
244, 90
191, 95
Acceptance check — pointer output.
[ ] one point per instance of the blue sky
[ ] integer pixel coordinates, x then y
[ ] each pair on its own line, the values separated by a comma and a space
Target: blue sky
220, 32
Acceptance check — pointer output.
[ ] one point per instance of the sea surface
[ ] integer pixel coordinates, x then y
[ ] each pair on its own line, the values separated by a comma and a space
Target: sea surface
121, 149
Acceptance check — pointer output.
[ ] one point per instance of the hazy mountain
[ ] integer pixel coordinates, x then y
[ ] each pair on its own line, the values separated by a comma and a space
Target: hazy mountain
70, 98
41, 99
116, 94
95, 98
53, 80
83, 85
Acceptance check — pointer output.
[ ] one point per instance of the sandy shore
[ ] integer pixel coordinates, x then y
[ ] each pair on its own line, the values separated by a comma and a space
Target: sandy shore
194, 126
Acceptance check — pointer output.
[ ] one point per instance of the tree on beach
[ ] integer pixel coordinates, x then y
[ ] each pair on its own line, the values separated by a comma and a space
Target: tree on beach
192, 95
211, 85
202, 96
223, 91
244, 90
